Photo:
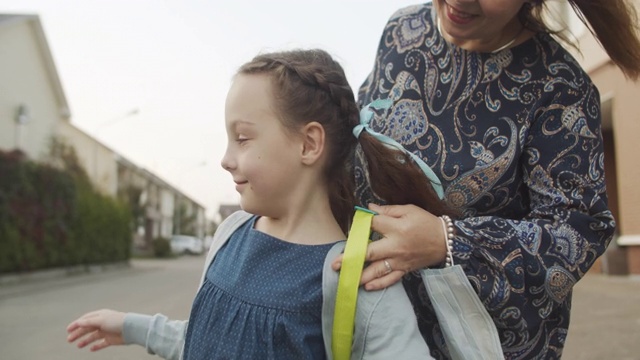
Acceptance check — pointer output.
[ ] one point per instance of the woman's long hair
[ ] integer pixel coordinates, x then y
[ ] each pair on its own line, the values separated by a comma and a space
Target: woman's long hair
614, 24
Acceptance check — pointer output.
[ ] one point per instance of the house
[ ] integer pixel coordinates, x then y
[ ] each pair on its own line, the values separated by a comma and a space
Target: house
34, 111
32, 102
161, 209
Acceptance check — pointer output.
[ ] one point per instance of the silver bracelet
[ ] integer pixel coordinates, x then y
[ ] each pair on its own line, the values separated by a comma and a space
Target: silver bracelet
447, 227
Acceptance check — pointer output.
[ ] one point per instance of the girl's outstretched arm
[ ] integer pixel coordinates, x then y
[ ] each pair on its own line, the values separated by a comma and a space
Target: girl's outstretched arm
100, 329
104, 328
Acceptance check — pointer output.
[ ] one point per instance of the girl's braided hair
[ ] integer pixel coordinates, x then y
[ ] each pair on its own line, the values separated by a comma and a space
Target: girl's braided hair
309, 85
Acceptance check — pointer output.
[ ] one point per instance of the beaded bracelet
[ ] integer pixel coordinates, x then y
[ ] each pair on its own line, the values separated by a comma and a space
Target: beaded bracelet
447, 227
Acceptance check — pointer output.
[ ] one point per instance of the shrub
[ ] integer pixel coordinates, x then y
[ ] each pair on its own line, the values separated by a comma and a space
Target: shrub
50, 217
162, 248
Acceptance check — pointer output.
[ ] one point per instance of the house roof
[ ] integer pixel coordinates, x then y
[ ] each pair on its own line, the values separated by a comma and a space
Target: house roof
153, 177
7, 20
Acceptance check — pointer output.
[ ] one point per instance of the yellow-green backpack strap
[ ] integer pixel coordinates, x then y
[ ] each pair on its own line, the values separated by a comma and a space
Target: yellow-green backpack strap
348, 283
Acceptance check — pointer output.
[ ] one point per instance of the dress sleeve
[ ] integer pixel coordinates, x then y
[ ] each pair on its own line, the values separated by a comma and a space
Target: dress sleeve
156, 333
524, 269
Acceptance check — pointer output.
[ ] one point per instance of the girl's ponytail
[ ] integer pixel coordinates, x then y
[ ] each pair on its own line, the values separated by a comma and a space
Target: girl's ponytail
395, 175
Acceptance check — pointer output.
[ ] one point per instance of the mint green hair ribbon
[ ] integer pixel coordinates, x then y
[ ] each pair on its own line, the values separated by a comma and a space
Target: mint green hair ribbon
366, 114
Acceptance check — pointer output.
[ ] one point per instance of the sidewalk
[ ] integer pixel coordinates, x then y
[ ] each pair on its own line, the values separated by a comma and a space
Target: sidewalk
605, 319
11, 284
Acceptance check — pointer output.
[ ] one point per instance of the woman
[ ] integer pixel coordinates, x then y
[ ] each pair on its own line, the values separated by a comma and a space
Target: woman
511, 124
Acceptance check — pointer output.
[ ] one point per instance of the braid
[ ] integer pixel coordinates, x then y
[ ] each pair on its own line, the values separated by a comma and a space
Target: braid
314, 68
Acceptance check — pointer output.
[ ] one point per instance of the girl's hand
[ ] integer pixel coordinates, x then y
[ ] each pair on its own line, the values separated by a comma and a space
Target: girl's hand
101, 328
412, 239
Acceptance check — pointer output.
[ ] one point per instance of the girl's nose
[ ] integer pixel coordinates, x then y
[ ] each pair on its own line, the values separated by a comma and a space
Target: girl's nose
227, 162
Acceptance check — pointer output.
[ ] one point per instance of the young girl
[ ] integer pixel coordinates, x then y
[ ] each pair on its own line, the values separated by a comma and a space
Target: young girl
290, 120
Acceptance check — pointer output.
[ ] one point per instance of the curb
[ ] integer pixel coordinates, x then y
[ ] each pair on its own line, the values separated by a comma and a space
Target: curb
58, 273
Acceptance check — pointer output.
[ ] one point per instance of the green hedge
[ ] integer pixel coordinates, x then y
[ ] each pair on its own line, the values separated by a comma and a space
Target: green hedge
162, 248
54, 218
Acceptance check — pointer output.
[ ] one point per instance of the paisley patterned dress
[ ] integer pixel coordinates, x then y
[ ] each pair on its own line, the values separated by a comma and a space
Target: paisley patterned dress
515, 137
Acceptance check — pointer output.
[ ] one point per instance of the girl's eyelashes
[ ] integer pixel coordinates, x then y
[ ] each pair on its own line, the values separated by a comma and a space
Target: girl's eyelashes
241, 139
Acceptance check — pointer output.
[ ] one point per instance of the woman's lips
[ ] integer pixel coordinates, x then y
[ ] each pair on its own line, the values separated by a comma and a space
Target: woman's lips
459, 17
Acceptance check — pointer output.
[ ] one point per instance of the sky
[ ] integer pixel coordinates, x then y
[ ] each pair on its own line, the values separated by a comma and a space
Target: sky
149, 77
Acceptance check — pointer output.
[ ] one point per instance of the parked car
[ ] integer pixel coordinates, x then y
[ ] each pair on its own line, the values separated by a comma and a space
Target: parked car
186, 244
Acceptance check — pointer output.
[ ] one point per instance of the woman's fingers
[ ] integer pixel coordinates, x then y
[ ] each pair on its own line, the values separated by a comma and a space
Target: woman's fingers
416, 235
382, 278
376, 275
336, 264
411, 239
376, 250
386, 266
394, 211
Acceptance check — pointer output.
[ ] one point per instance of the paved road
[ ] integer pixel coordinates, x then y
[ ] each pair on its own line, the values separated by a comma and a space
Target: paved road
33, 317
605, 321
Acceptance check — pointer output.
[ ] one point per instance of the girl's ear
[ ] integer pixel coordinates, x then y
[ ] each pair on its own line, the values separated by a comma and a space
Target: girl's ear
313, 140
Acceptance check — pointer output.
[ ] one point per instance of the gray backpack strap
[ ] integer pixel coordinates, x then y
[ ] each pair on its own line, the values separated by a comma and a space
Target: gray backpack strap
223, 233
468, 330
329, 289
385, 325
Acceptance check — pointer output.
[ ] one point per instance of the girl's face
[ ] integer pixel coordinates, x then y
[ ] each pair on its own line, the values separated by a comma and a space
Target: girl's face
262, 156
479, 25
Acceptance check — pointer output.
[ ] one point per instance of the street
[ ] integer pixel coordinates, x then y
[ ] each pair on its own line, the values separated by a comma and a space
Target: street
34, 316
605, 320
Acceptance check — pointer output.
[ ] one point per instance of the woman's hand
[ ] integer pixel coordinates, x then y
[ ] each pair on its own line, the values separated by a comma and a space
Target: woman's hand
102, 328
412, 239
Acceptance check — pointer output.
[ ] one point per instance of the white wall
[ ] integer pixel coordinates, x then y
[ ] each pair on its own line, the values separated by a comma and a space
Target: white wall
167, 206
25, 80
98, 160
